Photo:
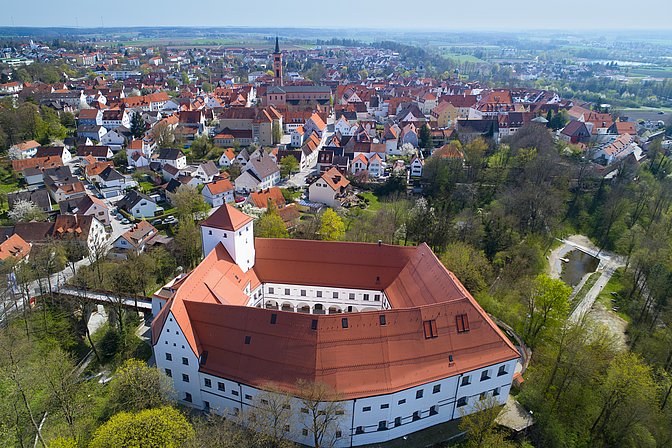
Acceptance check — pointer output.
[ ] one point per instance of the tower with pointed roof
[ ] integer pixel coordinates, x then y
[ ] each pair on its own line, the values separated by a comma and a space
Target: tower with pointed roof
232, 228
277, 64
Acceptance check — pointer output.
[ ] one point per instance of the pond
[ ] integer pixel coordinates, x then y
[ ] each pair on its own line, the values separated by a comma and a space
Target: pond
579, 264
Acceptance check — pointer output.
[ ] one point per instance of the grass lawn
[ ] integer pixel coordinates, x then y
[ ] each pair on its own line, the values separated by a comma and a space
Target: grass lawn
615, 285
8, 182
374, 204
146, 186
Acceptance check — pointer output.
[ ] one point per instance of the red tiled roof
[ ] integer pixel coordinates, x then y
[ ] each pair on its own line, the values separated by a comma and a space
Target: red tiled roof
364, 359
227, 217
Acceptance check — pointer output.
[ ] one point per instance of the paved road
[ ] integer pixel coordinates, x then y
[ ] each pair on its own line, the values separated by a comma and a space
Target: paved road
609, 262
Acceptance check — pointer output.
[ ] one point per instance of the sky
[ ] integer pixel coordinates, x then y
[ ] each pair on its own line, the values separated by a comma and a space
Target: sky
440, 15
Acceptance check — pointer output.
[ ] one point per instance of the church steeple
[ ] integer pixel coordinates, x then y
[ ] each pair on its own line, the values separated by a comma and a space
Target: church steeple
277, 64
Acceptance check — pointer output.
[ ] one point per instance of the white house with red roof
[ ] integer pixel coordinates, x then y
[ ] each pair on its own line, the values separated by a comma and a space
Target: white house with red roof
328, 188
394, 334
218, 192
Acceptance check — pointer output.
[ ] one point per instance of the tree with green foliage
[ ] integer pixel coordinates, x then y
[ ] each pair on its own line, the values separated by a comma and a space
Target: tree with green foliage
138, 126
288, 165
425, 137
201, 146
120, 159
189, 204
469, 265
162, 427
547, 305
187, 243
332, 227
277, 132
271, 225
136, 386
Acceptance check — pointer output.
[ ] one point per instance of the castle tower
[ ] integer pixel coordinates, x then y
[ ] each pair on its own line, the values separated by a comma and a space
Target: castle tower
232, 228
277, 64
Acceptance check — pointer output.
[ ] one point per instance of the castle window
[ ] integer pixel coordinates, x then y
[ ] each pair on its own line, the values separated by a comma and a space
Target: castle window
419, 394
434, 410
169, 373
495, 392
303, 293
313, 324
248, 339
366, 408
466, 380
385, 406
187, 397
335, 295
274, 318
403, 401
397, 422
318, 293
431, 331
208, 382
286, 291
437, 389
270, 290
220, 386
382, 425
416, 416
185, 377
502, 371
344, 322
462, 402
383, 320
169, 357
485, 375
359, 430
462, 323
351, 296
366, 297
185, 361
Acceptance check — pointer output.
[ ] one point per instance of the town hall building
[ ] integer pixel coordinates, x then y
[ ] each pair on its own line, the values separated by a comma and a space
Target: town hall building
389, 329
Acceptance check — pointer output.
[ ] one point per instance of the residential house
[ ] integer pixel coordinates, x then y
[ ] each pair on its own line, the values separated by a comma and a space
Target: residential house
113, 118
93, 170
315, 124
206, 172
469, 130
55, 151
84, 228
90, 117
86, 205
575, 132
617, 149
92, 131
100, 153
328, 188
298, 134
227, 158
14, 248
259, 173
416, 166
116, 138
372, 163
39, 197
261, 199
218, 192
61, 184
23, 150
139, 205
135, 240
172, 156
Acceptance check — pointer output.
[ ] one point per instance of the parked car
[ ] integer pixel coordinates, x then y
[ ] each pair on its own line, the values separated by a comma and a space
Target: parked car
125, 221
170, 220
119, 216
158, 222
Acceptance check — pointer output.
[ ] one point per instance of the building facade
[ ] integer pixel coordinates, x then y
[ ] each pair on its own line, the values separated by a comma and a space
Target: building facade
396, 336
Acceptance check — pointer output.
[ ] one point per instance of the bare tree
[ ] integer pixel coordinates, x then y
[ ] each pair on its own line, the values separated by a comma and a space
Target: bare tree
324, 412
269, 418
